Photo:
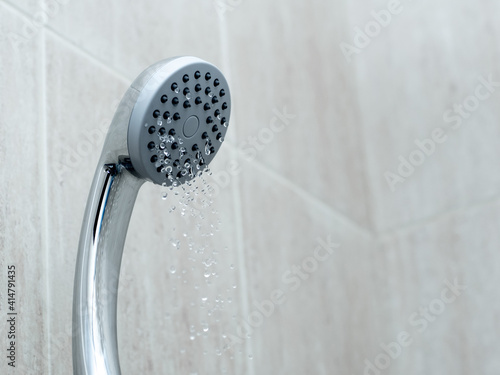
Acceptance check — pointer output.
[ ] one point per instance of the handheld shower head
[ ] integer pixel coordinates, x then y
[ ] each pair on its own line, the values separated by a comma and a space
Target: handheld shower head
167, 129
179, 121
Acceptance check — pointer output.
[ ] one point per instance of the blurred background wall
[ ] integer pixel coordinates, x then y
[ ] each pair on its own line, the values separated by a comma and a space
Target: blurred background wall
356, 219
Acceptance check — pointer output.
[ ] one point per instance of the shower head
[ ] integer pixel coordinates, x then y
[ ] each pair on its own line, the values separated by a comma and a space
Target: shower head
179, 121
167, 129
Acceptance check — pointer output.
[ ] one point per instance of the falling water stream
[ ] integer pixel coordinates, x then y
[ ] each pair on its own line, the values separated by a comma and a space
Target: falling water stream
201, 257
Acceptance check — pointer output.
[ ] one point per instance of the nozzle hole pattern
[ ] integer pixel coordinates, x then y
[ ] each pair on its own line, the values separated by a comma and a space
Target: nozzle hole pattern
172, 151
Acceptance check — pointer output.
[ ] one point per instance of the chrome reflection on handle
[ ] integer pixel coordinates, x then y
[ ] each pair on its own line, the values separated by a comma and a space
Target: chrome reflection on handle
107, 216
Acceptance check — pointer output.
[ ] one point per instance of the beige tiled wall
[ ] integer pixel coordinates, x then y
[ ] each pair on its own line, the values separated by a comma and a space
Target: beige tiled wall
428, 59
23, 221
307, 230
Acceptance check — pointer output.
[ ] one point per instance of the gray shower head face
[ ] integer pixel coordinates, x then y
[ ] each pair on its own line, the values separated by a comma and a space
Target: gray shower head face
179, 122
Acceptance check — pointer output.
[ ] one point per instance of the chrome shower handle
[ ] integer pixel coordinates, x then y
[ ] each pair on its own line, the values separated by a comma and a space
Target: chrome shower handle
167, 129
109, 207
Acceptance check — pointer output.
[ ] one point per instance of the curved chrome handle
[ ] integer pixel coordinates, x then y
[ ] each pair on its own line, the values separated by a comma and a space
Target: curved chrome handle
109, 207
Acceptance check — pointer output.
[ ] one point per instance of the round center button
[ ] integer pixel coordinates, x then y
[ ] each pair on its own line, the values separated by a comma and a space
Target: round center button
191, 126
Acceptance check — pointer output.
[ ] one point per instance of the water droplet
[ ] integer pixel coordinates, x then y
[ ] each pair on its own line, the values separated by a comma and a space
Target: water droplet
221, 139
250, 356
162, 146
159, 122
164, 195
192, 337
146, 125
188, 96
172, 269
181, 141
177, 90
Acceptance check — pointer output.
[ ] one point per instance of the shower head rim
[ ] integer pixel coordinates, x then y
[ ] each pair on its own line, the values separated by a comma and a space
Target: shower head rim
151, 90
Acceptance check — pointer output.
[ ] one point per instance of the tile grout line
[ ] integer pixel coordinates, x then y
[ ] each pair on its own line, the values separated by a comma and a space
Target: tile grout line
43, 174
435, 217
45, 190
107, 67
14, 8
300, 191
238, 211
367, 186
21, 12
243, 279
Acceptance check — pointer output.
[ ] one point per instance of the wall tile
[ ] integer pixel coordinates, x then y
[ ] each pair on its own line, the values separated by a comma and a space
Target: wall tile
32, 8
325, 322
21, 206
409, 76
31, 20
455, 336
288, 65
132, 36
